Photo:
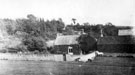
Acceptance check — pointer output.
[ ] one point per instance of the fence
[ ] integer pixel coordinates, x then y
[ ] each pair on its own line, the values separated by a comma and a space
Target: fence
53, 57
50, 57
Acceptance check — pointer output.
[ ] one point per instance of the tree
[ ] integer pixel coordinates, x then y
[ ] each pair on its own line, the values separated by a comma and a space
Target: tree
10, 26
68, 30
34, 38
10, 30
35, 44
110, 30
74, 20
60, 25
31, 17
87, 43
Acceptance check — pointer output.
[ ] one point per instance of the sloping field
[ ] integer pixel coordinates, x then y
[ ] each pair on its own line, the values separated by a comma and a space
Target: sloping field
100, 66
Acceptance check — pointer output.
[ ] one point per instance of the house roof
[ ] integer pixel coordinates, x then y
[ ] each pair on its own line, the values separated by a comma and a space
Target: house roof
116, 40
66, 40
124, 27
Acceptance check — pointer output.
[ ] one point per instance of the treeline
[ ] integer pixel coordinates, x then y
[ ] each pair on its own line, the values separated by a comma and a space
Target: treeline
94, 30
34, 32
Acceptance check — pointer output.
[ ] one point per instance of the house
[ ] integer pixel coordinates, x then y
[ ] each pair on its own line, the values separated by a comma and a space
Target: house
66, 44
116, 44
123, 43
125, 32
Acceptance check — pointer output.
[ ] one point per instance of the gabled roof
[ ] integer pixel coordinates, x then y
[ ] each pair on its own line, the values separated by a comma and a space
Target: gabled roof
116, 40
66, 40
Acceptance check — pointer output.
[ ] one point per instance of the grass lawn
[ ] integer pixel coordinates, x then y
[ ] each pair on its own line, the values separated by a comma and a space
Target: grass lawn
100, 66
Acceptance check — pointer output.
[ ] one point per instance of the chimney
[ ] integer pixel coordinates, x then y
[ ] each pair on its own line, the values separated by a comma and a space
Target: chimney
101, 31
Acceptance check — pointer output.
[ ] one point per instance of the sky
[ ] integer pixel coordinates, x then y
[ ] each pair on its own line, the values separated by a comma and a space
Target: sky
118, 12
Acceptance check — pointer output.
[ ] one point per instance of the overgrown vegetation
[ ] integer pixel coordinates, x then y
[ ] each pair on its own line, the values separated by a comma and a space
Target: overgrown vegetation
34, 32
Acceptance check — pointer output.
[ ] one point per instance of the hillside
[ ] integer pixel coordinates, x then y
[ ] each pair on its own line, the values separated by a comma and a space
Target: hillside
6, 40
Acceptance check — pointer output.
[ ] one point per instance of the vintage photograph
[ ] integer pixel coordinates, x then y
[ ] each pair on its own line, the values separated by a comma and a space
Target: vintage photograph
67, 37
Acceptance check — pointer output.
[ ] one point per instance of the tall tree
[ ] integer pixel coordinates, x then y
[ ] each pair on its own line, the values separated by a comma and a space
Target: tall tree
31, 17
110, 30
87, 43
74, 20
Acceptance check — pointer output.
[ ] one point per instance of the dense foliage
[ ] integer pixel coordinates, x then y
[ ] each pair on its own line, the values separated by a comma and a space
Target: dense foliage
94, 29
35, 32
87, 43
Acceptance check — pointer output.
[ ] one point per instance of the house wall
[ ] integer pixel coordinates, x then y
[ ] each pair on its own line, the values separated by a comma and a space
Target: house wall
116, 48
61, 49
